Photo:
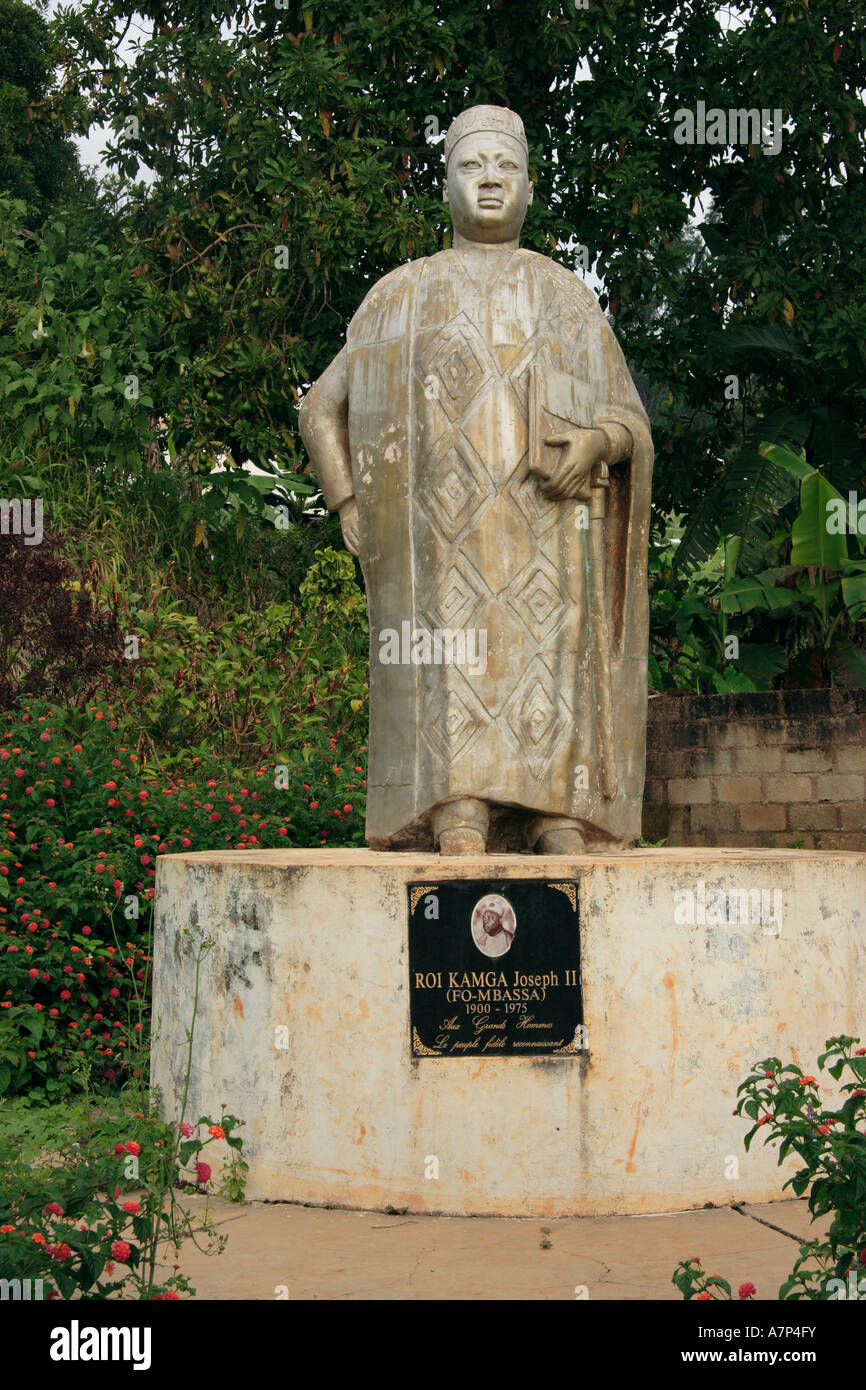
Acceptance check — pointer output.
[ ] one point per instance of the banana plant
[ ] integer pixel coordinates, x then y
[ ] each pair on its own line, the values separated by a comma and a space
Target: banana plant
821, 592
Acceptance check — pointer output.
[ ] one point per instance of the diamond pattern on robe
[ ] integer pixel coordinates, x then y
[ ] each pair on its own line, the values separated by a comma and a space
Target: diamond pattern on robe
537, 599
539, 718
456, 595
453, 485
452, 716
458, 362
497, 425
518, 368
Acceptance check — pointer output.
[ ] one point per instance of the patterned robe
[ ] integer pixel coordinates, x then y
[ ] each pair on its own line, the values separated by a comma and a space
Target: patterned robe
456, 535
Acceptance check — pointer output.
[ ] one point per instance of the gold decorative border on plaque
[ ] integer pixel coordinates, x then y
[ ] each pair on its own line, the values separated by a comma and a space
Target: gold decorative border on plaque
572, 1048
418, 892
571, 893
419, 1049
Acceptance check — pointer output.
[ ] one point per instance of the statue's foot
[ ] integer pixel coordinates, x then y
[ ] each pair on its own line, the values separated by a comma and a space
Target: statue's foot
556, 835
567, 840
462, 840
460, 826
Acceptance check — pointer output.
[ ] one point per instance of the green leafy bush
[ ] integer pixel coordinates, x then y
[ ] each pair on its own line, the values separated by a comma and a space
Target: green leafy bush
831, 1141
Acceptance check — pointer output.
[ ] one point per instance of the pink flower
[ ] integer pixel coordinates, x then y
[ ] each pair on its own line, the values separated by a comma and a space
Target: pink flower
202, 1173
52, 1209
187, 1130
746, 1290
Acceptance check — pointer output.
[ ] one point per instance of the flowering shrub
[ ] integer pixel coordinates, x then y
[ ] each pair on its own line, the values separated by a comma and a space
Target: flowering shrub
83, 818
692, 1282
75, 1224
91, 1226
786, 1108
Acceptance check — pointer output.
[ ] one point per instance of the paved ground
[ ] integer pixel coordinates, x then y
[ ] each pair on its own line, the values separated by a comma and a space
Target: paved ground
326, 1254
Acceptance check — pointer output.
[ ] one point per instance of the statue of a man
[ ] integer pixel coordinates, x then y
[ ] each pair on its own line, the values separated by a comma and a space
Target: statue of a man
490, 459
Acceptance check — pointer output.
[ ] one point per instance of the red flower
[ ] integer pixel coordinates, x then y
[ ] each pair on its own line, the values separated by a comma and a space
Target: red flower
746, 1290
62, 1252
217, 1131
168, 1297
703, 1296
132, 1147
202, 1173
121, 1251
132, 1207
52, 1209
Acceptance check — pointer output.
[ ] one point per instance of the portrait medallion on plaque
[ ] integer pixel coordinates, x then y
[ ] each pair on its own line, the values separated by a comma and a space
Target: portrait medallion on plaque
494, 969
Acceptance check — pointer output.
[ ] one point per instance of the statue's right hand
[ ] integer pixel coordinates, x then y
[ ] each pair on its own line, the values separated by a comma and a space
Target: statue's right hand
348, 514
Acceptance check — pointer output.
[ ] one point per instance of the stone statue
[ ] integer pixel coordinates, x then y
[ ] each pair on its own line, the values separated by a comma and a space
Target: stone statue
490, 460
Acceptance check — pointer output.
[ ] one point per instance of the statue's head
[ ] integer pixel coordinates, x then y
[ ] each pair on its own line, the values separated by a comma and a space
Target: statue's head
487, 185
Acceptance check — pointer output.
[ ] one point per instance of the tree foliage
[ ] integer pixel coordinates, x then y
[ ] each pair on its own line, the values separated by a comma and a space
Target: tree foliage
273, 161
34, 164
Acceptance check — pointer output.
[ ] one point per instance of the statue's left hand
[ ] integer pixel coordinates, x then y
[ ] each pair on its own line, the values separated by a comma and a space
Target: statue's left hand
582, 449
349, 525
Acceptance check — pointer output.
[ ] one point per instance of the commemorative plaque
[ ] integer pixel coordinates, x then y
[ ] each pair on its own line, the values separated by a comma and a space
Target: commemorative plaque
494, 969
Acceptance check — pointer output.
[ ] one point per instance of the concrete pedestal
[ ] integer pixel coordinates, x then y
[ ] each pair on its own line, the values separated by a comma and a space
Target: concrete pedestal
303, 1027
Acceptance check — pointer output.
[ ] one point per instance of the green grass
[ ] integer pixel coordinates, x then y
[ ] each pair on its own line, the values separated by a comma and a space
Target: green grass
38, 1130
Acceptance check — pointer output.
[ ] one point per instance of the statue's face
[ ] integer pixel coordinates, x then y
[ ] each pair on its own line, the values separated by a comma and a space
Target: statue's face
487, 189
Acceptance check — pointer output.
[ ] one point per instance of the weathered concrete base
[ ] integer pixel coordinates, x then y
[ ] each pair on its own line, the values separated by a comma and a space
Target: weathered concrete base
313, 943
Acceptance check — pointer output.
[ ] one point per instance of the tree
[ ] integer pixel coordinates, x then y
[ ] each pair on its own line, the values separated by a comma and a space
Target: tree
294, 157
34, 164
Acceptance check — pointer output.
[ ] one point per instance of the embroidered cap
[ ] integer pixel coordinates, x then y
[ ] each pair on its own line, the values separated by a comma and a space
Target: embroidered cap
485, 118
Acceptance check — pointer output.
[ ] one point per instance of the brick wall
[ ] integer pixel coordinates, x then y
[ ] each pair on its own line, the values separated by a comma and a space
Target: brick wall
761, 770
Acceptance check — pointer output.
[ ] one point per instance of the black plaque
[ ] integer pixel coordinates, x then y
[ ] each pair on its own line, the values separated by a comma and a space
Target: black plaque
494, 969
